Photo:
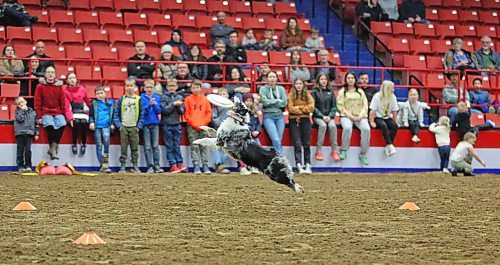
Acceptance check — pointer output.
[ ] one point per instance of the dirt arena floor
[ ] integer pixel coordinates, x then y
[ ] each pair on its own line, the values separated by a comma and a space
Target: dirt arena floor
229, 219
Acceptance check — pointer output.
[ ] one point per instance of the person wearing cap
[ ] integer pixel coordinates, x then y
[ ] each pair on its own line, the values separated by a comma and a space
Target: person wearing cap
168, 69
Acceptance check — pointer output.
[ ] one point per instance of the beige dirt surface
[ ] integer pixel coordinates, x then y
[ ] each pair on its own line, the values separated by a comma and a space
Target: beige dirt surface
342, 218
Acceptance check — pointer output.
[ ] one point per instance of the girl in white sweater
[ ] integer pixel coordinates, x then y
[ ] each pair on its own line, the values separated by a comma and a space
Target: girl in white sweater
442, 133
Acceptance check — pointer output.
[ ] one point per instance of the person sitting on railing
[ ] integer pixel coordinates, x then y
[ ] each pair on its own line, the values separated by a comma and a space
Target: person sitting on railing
236, 89
215, 72
363, 82
292, 37
487, 58
10, 66
184, 79
274, 100
198, 71
221, 30
450, 96
141, 70
482, 98
412, 11
168, 70
314, 43
324, 59
40, 53
459, 58
234, 49
177, 42
297, 72
12, 13
462, 121
369, 10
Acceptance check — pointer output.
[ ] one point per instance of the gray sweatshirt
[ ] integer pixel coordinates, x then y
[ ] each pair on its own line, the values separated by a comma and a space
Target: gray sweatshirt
25, 122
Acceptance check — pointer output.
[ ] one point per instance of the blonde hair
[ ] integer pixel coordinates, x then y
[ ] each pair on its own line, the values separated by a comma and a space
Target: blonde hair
130, 80
221, 90
196, 82
149, 81
412, 90
172, 80
469, 136
444, 121
18, 99
386, 95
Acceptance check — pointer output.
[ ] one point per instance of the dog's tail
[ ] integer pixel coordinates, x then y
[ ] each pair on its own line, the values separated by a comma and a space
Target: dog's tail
209, 143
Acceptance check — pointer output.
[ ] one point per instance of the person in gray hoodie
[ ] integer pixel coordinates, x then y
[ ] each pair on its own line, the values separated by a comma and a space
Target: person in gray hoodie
25, 129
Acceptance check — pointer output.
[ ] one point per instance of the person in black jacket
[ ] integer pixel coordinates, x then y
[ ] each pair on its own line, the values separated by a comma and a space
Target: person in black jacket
324, 59
141, 70
40, 53
462, 122
370, 10
12, 13
177, 42
215, 72
236, 50
412, 11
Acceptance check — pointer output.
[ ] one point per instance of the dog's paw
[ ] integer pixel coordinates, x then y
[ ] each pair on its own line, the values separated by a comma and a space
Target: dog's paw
298, 189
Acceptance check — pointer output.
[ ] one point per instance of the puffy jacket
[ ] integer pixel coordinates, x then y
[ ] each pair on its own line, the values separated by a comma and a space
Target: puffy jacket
25, 122
102, 108
77, 101
254, 125
50, 99
141, 70
150, 113
170, 114
325, 103
11, 67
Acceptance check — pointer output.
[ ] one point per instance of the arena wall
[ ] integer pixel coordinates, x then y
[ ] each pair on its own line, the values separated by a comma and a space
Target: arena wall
410, 157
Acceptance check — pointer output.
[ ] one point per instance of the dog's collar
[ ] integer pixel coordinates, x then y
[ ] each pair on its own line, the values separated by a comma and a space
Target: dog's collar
236, 117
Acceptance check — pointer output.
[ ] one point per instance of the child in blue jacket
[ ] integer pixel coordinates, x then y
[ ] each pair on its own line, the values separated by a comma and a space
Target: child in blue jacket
150, 103
101, 122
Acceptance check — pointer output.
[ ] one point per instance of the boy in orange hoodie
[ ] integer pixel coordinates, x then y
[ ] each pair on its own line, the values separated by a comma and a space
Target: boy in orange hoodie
198, 113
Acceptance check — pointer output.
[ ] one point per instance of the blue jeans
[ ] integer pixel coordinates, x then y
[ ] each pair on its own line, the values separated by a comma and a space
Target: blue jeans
172, 139
220, 157
275, 127
151, 134
102, 135
444, 154
452, 112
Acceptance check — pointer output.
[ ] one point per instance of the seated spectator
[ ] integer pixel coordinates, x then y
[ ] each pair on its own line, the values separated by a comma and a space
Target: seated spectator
141, 70
390, 7
234, 49
300, 71
215, 72
237, 89
177, 42
412, 11
267, 43
458, 58
451, 96
364, 82
412, 114
11, 66
384, 114
40, 53
12, 13
184, 79
198, 71
35, 73
314, 43
249, 41
324, 60
487, 58
292, 38
220, 30
480, 99
168, 70
369, 10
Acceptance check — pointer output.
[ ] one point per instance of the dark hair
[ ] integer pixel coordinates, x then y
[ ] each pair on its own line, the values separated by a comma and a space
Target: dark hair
201, 57
327, 79
300, 57
230, 72
178, 31
233, 31
477, 78
362, 73
5, 48
346, 87
298, 31
303, 93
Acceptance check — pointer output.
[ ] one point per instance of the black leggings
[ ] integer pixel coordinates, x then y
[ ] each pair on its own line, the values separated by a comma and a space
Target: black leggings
54, 135
389, 129
80, 127
300, 132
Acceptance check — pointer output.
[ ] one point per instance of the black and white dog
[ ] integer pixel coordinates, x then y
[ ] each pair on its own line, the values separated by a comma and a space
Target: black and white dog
233, 137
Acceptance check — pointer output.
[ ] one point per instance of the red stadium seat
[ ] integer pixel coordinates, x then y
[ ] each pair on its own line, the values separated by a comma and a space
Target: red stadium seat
398, 47
24, 50
110, 20
214, 6
56, 52
425, 30
420, 46
263, 9
415, 61
86, 19
494, 118
276, 57
402, 30
465, 31
471, 4
240, 9
126, 52
172, 7
434, 62
276, 24
489, 4
208, 53
489, 17
448, 15
114, 73
234, 22
159, 21
105, 53
43, 18
205, 22
70, 36
149, 6
4, 112
304, 24
10, 90
452, 3
199, 38
3, 38
445, 31
441, 46
121, 38
285, 10
79, 5
47, 35
78, 52
257, 56
435, 80
62, 18
148, 37
135, 21
308, 57
486, 31
101, 5
195, 7
470, 16
431, 14
19, 35
469, 45
164, 36
118, 91
96, 37
129, 5
486, 81
184, 23
476, 119
381, 28
257, 24
438, 3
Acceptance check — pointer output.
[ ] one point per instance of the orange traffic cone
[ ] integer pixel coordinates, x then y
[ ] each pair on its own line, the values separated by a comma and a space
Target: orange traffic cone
24, 206
409, 206
89, 238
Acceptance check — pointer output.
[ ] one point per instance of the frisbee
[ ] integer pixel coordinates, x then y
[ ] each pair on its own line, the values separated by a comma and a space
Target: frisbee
220, 101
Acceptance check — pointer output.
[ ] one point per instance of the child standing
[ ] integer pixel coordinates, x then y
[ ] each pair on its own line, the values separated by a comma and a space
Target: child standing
442, 134
101, 122
219, 114
300, 107
254, 126
198, 113
25, 129
413, 114
172, 108
150, 104
129, 120
314, 42
77, 114
249, 41
461, 158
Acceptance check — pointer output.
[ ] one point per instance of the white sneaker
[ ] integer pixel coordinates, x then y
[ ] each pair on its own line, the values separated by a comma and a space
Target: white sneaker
415, 139
392, 150
254, 170
300, 168
386, 150
308, 169
445, 170
244, 171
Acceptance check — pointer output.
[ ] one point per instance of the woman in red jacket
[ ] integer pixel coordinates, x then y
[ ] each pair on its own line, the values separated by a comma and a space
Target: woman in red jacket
78, 105
50, 109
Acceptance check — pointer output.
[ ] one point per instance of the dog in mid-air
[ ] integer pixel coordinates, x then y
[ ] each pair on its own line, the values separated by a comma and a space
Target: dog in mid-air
233, 137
